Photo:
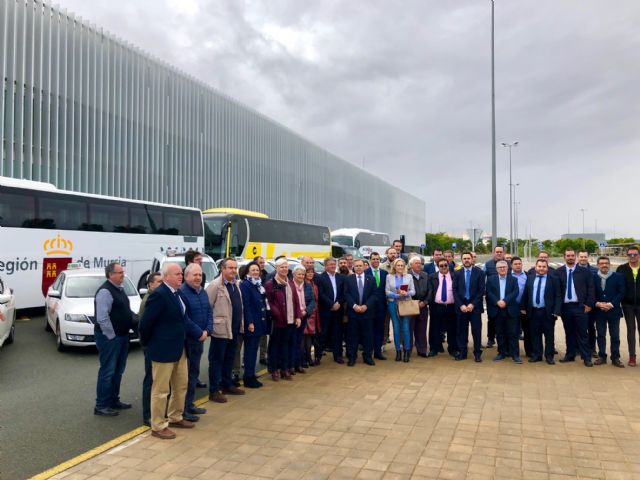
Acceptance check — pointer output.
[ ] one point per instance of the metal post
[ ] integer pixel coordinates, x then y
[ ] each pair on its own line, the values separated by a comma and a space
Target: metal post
494, 206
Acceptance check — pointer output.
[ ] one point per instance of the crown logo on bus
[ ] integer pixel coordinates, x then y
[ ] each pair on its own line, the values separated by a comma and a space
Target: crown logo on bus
57, 246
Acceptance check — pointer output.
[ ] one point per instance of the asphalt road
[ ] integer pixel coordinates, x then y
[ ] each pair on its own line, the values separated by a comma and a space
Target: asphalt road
47, 400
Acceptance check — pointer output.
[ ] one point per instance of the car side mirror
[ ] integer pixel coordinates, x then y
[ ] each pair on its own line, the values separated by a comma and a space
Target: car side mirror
5, 298
54, 294
143, 292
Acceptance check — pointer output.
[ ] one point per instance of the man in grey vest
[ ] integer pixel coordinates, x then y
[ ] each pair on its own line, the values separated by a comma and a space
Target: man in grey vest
114, 319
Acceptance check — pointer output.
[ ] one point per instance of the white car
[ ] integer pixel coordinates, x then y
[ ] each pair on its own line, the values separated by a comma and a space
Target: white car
8, 310
209, 267
70, 311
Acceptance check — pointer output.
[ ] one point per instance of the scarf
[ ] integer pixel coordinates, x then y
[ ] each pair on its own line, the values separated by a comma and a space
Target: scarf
258, 283
603, 278
300, 291
289, 296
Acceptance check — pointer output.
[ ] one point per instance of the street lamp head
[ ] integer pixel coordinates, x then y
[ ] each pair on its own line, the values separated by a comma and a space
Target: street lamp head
504, 144
515, 143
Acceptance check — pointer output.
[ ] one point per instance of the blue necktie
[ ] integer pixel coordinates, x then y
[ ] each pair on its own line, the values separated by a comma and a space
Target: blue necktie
538, 290
360, 288
570, 284
443, 292
467, 286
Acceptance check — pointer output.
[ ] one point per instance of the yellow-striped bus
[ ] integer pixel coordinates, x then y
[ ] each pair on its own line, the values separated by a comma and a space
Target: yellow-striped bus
232, 232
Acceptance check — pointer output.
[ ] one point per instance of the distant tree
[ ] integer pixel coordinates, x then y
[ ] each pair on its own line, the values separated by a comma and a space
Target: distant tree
614, 241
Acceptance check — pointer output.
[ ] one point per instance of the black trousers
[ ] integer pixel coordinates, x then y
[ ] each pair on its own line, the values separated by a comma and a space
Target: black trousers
507, 333
542, 324
526, 330
443, 318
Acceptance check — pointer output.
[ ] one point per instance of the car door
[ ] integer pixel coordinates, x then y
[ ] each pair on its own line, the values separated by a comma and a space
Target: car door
52, 302
5, 326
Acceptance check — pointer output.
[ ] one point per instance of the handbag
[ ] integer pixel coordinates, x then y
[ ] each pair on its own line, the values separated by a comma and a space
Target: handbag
407, 308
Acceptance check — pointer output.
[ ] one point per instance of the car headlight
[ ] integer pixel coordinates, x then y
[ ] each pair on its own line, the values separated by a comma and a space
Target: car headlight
76, 317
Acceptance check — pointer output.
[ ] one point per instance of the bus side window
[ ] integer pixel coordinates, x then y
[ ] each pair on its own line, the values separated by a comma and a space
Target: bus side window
18, 210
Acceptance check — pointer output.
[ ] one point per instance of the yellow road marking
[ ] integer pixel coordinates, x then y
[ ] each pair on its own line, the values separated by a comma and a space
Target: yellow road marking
94, 452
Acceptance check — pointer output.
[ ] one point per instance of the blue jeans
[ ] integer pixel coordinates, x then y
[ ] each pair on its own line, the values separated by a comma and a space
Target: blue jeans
113, 360
400, 324
194, 353
146, 389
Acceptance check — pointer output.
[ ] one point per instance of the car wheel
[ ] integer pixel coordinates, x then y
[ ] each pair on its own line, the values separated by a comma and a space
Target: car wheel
47, 326
12, 334
59, 345
142, 283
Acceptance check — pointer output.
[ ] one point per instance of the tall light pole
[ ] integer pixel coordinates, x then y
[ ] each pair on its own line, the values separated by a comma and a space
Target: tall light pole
515, 216
510, 146
494, 203
583, 210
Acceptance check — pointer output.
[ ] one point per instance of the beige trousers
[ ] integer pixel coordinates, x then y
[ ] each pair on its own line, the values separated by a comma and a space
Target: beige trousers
168, 378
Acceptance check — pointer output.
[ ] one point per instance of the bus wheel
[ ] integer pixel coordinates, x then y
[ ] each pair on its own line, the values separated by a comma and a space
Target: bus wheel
59, 345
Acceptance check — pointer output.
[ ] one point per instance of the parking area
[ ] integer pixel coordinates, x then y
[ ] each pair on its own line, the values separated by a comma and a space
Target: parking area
431, 418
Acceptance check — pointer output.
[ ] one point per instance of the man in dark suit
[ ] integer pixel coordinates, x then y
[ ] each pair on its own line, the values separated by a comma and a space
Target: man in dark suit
360, 301
583, 261
503, 308
631, 300
163, 333
542, 303
579, 299
379, 313
431, 268
331, 302
609, 289
468, 293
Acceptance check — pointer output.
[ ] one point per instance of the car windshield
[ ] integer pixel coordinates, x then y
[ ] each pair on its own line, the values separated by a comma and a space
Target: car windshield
86, 287
209, 268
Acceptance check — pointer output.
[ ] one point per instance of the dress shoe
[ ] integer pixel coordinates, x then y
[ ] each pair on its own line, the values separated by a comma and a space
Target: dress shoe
491, 344
292, 371
588, 363
105, 412
184, 423
121, 405
217, 397
566, 359
379, 356
285, 375
351, 363
499, 357
617, 363
201, 385
460, 357
535, 359
423, 355
432, 353
398, 356
600, 361
275, 376
235, 381
407, 356
164, 434
517, 360
477, 358
146, 422
249, 382
196, 410
300, 370
594, 354
233, 391
190, 417
257, 382
551, 361
369, 361
339, 360
632, 361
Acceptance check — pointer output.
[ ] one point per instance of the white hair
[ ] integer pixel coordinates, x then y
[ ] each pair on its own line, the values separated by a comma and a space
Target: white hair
501, 263
299, 267
413, 259
191, 267
280, 261
166, 266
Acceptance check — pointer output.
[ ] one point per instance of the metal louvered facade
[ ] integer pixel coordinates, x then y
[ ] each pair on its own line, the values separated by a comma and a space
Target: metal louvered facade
87, 112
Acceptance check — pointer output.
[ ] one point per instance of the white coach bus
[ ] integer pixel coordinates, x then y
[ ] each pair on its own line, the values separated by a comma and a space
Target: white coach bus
42, 229
364, 240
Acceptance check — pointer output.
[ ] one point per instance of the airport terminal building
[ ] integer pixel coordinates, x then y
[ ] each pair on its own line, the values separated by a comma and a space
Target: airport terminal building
87, 112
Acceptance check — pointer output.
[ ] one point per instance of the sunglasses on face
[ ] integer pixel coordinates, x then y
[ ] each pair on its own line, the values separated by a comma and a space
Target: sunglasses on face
632, 254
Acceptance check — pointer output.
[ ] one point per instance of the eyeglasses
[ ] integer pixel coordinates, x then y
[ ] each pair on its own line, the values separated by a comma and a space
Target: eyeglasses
632, 254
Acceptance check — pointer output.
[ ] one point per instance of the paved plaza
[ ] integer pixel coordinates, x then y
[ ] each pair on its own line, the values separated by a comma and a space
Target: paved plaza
431, 418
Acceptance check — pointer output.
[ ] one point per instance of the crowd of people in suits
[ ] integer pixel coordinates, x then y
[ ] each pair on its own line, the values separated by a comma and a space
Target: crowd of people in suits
352, 304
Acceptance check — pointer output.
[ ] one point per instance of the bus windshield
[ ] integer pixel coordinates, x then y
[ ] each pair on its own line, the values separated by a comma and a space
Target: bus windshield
346, 240
215, 236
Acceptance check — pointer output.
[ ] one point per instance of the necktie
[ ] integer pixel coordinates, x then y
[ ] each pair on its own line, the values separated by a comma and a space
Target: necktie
360, 288
376, 275
538, 290
570, 284
467, 282
178, 300
443, 292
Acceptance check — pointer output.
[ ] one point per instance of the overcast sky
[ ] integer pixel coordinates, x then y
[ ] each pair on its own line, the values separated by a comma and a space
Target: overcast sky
404, 88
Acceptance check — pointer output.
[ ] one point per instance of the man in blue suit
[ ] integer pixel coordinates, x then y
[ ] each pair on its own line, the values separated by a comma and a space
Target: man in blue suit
609, 290
579, 299
379, 313
163, 333
431, 268
331, 302
468, 293
360, 300
503, 308
542, 303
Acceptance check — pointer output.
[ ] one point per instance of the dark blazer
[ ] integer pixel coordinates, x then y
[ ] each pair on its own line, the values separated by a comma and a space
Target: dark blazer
352, 298
583, 284
476, 289
380, 294
422, 286
553, 295
430, 268
325, 293
434, 283
162, 326
253, 308
613, 293
510, 295
632, 286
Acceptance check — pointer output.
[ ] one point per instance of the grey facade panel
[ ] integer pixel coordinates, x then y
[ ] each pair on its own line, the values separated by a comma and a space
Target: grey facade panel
86, 112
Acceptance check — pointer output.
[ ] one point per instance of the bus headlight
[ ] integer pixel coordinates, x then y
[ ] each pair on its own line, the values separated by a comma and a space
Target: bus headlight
76, 317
